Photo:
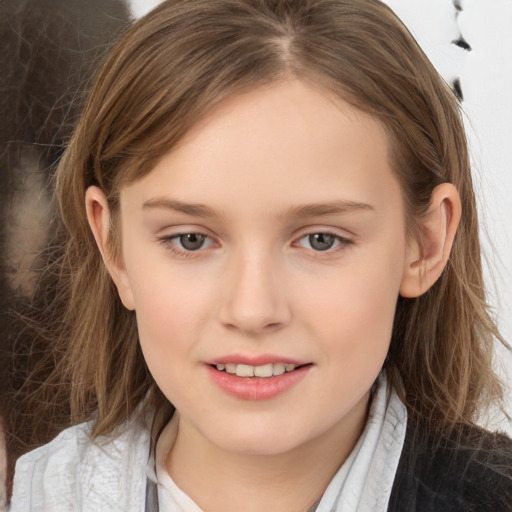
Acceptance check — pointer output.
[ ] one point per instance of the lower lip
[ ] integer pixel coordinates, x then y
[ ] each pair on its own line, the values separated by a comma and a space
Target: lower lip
256, 388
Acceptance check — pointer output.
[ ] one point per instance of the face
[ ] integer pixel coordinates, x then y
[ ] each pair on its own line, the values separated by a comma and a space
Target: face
271, 240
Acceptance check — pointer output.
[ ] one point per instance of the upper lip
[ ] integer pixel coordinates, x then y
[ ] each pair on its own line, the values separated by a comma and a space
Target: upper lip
255, 360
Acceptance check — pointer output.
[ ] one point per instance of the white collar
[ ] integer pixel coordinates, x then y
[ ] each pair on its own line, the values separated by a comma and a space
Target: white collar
365, 480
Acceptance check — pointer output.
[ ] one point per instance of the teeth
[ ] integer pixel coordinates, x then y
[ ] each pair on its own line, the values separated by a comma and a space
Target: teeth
264, 371
231, 368
279, 368
244, 370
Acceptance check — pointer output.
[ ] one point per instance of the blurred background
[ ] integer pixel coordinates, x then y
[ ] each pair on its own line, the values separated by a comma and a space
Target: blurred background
50, 49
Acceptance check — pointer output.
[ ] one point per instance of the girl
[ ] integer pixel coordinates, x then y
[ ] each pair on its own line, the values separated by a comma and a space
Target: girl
270, 296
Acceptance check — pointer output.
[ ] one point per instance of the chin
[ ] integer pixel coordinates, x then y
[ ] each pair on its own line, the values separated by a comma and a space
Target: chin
258, 438
264, 445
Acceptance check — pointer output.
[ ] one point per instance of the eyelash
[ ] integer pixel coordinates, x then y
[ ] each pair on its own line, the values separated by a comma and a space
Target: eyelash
342, 242
168, 243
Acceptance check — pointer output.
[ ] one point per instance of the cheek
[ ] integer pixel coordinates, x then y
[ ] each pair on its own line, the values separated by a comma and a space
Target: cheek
169, 313
168, 321
356, 308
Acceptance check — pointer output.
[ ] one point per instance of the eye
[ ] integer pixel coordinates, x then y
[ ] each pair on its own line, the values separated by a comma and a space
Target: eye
191, 241
322, 241
183, 243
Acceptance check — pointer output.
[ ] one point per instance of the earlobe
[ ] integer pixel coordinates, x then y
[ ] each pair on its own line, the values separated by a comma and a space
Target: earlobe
98, 215
427, 257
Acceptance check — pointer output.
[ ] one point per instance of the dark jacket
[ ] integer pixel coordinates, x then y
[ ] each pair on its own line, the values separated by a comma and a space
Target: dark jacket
469, 472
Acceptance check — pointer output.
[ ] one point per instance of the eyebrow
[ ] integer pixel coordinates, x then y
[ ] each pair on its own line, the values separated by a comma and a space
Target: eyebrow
196, 210
339, 207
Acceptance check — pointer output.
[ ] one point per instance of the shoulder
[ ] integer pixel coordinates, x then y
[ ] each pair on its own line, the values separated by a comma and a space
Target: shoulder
470, 470
72, 472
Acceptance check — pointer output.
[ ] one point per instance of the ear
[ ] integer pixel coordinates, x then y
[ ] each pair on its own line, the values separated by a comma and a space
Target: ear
98, 215
427, 257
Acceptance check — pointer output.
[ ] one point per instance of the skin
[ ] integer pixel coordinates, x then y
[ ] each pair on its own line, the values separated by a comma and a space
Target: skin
258, 286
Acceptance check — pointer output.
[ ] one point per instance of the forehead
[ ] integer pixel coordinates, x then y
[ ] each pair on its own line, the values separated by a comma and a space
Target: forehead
289, 142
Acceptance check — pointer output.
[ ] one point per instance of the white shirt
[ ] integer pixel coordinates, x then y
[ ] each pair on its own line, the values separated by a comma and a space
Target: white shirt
71, 473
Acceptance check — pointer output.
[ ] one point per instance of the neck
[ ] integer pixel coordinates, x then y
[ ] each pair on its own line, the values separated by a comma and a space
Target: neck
295, 480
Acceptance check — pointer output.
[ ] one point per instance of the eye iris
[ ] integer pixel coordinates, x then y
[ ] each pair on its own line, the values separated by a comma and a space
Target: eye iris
192, 241
321, 241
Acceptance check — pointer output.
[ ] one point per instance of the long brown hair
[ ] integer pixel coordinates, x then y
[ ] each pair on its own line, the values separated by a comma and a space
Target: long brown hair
171, 69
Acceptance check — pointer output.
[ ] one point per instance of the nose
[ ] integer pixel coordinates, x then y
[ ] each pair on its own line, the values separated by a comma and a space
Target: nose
254, 298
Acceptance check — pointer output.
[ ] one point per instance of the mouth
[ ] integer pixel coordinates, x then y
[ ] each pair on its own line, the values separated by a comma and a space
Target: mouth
257, 377
265, 371
257, 382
